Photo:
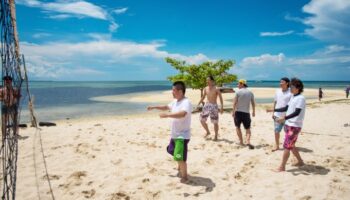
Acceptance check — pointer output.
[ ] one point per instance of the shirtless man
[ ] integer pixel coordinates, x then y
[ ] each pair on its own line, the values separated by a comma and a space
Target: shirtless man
8, 97
211, 107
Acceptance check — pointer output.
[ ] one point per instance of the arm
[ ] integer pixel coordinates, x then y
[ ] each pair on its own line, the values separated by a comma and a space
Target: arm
204, 95
253, 106
283, 109
221, 101
158, 108
176, 115
294, 114
271, 109
234, 105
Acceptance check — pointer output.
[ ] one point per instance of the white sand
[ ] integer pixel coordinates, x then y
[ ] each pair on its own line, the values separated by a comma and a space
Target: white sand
125, 157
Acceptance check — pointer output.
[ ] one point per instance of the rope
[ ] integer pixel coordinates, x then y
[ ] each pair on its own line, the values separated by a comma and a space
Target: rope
35, 171
38, 132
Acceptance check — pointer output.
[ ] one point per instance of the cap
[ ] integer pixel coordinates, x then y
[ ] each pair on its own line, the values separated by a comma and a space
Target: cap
243, 81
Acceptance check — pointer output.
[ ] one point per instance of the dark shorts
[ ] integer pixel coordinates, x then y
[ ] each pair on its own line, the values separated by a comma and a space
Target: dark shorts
171, 147
8, 109
242, 117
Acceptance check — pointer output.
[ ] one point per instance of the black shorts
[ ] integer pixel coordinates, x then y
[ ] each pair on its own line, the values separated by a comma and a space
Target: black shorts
8, 109
242, 117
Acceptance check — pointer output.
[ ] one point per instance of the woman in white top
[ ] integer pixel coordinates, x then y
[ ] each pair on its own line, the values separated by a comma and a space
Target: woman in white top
293, 123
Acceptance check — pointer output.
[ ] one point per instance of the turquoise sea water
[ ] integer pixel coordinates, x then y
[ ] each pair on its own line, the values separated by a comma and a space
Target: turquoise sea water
61, 100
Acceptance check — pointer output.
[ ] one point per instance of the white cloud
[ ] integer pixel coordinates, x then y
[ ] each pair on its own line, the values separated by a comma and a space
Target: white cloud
263, 60
329, 20
291, 18
41, 35
113, 27
329, 63
120, 11
72, 8
334, 49
272, 34
58, 59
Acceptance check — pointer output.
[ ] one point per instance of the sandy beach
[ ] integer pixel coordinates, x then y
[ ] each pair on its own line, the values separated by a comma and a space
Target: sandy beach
124, 157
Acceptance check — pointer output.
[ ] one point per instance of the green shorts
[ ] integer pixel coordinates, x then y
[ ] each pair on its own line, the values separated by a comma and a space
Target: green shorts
178, 149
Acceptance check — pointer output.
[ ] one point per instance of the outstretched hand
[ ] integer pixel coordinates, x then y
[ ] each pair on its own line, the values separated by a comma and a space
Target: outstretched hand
269, 110
163, 115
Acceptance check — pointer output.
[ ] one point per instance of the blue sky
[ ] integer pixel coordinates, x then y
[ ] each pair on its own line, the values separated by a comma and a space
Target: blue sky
129, 39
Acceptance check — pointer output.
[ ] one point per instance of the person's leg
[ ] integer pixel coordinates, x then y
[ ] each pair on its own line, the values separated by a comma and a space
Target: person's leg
285, 157
205, 126
239, 134
246, 123
183, 171
203, 118
214, 118
277, 141
237, 120
300, 161
216, 129
248, 134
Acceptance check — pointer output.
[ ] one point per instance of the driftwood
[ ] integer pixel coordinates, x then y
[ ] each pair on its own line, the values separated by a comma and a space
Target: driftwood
46, 124
22, 125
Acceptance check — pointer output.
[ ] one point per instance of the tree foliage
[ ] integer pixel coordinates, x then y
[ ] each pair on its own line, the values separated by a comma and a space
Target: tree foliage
195, 76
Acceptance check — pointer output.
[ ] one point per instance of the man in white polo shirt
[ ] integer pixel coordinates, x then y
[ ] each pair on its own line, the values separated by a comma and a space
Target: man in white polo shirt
282, 97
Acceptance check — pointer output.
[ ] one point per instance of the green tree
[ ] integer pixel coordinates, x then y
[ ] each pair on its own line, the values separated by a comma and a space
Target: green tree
195, 76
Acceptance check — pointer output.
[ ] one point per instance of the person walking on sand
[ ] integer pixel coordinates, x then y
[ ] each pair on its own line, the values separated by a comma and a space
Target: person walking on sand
320, 94
293, 123
211, 107
347, 90
181, 109
282, 97
241, 111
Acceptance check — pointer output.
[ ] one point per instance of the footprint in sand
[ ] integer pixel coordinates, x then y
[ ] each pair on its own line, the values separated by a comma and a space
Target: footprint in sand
75, 179
145, 180
52, 177
117, 162
306, 197
89, 193
83, 148
119, 196
209, 161
99, 139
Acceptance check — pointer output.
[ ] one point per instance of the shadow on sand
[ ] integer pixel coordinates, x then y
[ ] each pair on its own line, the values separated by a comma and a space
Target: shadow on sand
305, 150
222, 140
309, 169
200, 181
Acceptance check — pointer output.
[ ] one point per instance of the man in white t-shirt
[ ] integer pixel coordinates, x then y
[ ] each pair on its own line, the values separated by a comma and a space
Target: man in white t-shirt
282, 97
293, 123
181, 109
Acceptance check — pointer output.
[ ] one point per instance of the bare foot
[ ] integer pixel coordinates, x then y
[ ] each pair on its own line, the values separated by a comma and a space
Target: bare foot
275, 149
184, 180
216, 138
206, 135
298, 164
280, 169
